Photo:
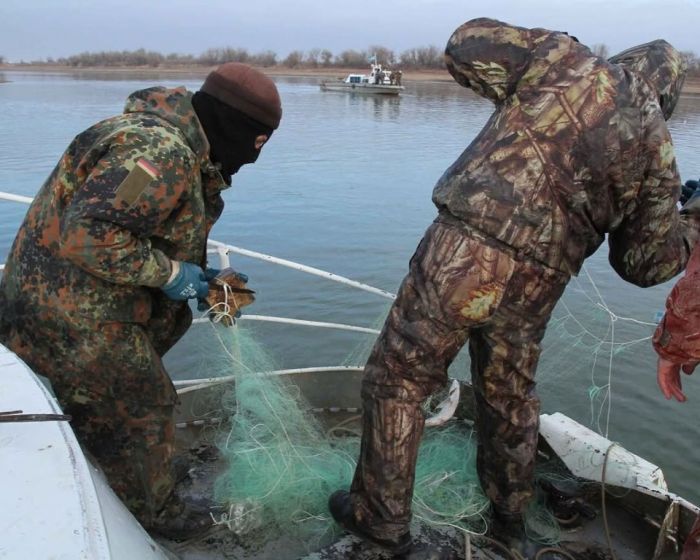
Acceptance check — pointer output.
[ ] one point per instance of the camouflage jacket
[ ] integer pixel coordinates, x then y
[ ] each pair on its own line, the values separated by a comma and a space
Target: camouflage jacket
577, 148
128, 194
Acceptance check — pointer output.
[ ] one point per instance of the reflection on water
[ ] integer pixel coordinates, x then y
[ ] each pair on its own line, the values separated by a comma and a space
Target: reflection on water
345, 185
386, 106
382, 106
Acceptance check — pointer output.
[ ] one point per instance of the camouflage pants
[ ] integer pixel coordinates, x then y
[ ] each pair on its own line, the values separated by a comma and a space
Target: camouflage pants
459, 288
110, 378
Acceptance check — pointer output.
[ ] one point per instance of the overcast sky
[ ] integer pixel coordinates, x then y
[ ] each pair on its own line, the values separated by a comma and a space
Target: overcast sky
37, 29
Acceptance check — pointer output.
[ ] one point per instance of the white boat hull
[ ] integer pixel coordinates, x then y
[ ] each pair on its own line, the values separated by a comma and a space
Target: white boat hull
376, 89
55, 503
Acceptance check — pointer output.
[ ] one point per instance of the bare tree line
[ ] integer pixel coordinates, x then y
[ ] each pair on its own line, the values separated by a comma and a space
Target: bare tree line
422, 57
429, 57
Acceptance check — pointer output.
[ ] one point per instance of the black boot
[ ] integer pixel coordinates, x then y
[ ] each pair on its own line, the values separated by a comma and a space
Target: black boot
565, 499
509, 530
340, 506
183, 519
181, 465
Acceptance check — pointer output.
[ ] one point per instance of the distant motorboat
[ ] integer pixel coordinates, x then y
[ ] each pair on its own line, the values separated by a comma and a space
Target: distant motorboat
378, 81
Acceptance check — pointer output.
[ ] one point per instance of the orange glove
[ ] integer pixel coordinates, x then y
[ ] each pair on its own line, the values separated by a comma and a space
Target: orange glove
668, 376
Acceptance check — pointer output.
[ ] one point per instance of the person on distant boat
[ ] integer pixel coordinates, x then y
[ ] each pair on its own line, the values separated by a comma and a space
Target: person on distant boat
395, 78
96, 287
577, 149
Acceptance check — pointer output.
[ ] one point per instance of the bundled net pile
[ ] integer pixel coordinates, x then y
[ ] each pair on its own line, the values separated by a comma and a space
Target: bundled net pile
281, 467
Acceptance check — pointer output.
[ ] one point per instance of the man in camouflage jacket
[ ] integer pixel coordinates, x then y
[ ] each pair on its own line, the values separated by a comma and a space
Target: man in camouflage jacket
577, 148
95, 289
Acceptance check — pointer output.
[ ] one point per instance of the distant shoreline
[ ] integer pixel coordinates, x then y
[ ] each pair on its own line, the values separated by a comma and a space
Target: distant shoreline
201, 71
691, 87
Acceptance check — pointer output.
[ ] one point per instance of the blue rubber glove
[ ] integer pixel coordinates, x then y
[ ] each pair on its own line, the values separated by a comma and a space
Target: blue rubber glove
189, 282
211, 273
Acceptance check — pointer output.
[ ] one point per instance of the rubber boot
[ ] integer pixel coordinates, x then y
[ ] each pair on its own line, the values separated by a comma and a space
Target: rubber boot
186, 465
340, 506
183, 518
181, 465
566, 502
509, 530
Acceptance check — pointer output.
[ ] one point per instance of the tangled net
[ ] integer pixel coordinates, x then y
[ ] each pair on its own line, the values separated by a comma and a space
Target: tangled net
283, 463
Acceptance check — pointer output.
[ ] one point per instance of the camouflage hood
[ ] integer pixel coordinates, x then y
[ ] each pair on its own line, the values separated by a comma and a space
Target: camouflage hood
661, 65
175, 106
491, 57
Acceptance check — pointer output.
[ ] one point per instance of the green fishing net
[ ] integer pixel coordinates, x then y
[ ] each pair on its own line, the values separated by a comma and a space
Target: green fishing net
281, 467
282, 463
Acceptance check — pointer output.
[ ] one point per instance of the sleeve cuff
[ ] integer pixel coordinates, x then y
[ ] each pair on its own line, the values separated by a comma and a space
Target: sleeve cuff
175, 270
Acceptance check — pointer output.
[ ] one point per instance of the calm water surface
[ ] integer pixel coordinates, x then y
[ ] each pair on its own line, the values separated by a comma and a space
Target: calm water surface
344, 185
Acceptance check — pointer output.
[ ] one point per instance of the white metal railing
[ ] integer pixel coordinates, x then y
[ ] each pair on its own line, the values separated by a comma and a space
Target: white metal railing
288, 321
222, 251
16, 198
219, 247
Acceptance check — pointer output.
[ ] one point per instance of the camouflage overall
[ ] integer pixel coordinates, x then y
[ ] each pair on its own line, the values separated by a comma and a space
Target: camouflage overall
577, 148
79, 297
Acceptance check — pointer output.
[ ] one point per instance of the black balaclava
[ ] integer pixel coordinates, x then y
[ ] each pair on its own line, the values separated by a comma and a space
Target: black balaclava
230, 132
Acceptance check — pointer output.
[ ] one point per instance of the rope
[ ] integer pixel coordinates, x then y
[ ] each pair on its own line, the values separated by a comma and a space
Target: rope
342, 426
602, 500
510, 553
553, 550
221, 311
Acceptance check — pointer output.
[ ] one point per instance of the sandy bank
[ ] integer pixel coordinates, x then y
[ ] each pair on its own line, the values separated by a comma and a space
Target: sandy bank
691, 87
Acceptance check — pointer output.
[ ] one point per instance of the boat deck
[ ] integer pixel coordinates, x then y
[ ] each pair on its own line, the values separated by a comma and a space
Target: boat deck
633, 538
633, 535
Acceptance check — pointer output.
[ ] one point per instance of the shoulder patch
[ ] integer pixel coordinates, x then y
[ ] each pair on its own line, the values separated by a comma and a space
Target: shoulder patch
136, 181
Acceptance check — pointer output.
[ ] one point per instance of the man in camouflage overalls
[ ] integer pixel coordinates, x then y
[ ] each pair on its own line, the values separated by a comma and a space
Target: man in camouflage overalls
95, 289
577, 148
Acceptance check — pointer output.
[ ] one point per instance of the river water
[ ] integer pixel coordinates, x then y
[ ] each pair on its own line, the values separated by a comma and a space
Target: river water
344, 185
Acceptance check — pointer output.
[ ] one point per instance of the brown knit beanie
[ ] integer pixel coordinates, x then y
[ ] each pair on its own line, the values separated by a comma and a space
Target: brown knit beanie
246, 89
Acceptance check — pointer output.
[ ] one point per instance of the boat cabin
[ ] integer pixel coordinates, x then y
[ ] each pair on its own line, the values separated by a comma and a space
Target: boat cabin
357, 79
